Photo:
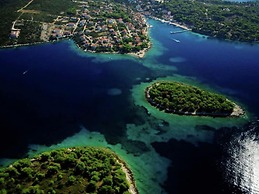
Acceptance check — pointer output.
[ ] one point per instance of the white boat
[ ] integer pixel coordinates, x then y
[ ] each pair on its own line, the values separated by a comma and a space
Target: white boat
176, 40
25, 72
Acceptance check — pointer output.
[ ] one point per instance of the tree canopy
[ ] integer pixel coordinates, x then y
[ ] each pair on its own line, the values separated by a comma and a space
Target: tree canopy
67, 170
215, 18
179, 98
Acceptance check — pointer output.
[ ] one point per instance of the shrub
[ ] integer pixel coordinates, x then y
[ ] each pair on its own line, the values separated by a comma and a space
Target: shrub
51, 191
80, 167
2, 181
51, 183
25, 162
106, 190
26, 172
45, 157
60, 176
95, 178
12, 171
71, 180
91, 187
107, 181
32, 190
52, 170
40, 176
18, 188
3, 191
124, 187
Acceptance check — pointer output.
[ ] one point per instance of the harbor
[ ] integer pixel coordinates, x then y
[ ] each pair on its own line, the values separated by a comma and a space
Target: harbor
184, 27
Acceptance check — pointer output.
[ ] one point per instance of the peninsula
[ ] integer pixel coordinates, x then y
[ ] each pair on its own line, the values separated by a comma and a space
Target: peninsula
69, 170
94, 25
183, 99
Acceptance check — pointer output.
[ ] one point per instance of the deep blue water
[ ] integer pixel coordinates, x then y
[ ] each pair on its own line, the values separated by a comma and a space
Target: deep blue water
233, 67
48, 91
60, 91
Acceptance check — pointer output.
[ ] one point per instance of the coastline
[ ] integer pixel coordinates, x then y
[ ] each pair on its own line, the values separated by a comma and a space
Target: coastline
25, 44
142, 53
129, 175
237, 111
139, 54
184, 27
34, 43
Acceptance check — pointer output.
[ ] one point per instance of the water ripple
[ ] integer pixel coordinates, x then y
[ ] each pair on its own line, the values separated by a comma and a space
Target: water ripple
242, 165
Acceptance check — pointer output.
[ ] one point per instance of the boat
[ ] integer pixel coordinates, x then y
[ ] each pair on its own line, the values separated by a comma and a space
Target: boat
25, 72
176, 40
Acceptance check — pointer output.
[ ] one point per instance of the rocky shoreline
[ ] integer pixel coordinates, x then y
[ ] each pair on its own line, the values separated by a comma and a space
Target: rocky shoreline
140, 54
129, 175
237, 111
184, 27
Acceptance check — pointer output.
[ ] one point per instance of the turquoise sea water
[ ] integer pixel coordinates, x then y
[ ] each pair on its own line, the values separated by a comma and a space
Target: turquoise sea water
55, 95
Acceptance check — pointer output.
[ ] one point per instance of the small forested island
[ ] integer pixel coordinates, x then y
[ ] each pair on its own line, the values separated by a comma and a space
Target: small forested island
69, 170
180, 98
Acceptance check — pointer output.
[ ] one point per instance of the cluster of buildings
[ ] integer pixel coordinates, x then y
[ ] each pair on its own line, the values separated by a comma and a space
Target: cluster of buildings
152, 8
102, 27
98, 26
108, 28
15, 32
63, 27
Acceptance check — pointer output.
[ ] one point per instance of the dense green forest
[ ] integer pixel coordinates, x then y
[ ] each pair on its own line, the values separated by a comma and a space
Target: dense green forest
68, 170
179, 98
47, 11
8, 14
224, 21
52, 7
215, 18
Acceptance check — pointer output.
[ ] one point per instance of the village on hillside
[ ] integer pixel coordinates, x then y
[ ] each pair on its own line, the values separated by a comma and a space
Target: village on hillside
96, 26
